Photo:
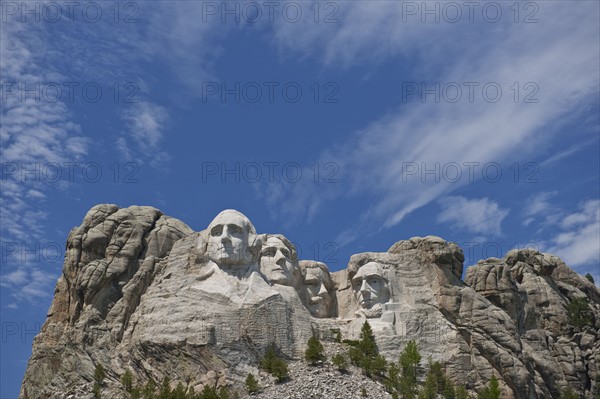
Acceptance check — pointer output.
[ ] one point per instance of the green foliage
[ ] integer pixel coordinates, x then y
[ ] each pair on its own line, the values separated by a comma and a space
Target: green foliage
224, 393
437, 372
99, 374
568, 393
590, 278
351, 342
339, 361
363, 392
149, 389
402, 377
579, 313
96, 391
430, 388
208, 393
379, 365
136, 393
268, 358
179, 392
492, 391
251, 384
165, 389
409, 361
275, 365
449, 392
365, 354
127, 381
279, 369
315, 352
461, 393
366, 343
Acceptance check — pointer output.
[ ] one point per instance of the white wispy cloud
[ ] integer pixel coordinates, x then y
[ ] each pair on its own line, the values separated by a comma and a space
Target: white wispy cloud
579, 242
539, 206
559, 54
146, 123
479, 216
35, 133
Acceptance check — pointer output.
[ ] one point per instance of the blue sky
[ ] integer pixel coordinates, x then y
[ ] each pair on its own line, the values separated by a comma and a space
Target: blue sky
345, 125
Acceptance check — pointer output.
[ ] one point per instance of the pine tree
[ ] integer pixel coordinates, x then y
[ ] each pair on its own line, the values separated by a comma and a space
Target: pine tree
429, 390
568, 393
367, 344
315, 352
409, 366
590, 278
149, 389
178, 392
279, 369
99, 375
127, 381
251, 384
579, 313
492, 391
339, 361
208, 393
224, 393
270, 356
165, 389
461, 393
449, 391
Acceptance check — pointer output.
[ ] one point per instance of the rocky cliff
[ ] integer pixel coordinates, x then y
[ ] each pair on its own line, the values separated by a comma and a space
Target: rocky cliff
141, 291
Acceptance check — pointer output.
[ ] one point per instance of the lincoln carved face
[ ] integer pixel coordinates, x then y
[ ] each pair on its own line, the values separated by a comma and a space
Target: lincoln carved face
276, 262
230, 236
317, 286
370, 286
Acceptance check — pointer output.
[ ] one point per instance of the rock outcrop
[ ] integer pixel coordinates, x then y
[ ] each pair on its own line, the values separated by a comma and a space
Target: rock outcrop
141, 291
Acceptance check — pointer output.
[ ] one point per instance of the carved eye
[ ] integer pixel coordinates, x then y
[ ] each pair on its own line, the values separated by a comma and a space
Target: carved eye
285, 253
216, 231
269, 252
235, 229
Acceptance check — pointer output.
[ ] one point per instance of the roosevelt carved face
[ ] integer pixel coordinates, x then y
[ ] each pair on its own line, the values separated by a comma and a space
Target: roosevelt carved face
316, 281
276, 262
230, 236
370, 286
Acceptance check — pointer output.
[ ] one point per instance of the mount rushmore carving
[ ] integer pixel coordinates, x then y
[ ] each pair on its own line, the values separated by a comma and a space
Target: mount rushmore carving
144, 292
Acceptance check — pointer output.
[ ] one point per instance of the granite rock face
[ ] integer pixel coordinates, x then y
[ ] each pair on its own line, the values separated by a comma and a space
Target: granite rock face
141, 291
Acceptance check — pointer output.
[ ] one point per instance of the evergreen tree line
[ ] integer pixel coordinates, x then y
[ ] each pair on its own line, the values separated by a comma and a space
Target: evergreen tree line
401, 378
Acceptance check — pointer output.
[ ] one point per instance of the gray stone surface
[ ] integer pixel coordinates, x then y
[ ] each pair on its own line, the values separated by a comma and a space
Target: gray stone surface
142, 291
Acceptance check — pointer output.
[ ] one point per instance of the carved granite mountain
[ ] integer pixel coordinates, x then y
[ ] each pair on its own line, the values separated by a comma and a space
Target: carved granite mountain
141, 291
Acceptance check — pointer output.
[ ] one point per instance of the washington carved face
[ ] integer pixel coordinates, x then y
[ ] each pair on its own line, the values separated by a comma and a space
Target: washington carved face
369, 285
276, 262
228, 242
319, 298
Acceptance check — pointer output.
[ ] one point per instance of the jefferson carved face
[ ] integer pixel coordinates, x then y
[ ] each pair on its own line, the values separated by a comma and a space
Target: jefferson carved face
230, 234
276, 262
316, 281
370, 286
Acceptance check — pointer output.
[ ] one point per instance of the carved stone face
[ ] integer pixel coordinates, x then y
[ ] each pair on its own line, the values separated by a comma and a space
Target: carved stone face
228, 243
370, 286
276, 262
319, 298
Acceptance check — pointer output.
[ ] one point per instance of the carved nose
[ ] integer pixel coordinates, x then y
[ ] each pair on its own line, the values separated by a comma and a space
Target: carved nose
225, 235
364, 287
322, 290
